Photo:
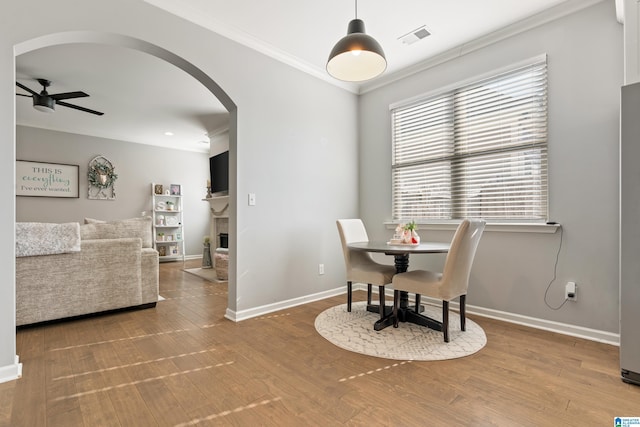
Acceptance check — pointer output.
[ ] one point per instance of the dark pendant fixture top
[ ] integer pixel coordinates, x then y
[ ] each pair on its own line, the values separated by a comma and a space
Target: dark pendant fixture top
356, 57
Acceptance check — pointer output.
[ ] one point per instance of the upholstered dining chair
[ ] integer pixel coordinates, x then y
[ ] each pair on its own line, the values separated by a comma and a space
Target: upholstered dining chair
453, 282
360, 265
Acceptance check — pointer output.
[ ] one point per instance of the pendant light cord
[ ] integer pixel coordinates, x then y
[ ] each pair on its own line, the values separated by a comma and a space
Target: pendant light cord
356, 9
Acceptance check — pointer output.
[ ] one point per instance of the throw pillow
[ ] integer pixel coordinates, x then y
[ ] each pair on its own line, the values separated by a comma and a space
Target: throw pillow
133, 227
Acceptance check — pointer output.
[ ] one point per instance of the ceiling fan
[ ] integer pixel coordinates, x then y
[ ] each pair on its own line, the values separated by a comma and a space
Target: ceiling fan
46, 102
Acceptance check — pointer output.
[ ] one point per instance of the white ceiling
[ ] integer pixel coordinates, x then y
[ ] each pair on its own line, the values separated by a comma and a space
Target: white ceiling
143, 97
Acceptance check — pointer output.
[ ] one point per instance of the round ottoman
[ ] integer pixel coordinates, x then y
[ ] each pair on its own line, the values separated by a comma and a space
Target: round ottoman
221, 262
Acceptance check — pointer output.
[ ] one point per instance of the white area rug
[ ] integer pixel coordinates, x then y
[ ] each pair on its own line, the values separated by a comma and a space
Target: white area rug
354, 331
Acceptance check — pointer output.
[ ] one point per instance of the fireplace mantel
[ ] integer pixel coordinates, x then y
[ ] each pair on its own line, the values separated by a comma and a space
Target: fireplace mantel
219, 220
219, 206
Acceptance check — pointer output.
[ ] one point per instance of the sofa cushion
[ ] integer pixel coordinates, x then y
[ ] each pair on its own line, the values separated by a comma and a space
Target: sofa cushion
133, 227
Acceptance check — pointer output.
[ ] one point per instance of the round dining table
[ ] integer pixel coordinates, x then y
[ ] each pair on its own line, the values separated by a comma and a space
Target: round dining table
401, 254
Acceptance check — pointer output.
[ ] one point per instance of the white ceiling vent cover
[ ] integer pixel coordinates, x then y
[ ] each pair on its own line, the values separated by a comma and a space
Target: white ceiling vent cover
415, 35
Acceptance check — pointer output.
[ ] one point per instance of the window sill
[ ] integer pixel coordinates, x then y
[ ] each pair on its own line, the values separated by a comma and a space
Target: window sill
506, 227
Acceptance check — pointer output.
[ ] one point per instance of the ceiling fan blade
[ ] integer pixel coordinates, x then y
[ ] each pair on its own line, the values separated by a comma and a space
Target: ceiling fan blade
22, 94
76, 107
32, 92
68, 95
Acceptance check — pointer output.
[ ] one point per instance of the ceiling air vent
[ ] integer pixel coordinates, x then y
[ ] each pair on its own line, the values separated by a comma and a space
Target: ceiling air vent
415, 35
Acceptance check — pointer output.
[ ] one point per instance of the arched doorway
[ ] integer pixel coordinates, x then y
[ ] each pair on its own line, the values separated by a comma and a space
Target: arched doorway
175, 60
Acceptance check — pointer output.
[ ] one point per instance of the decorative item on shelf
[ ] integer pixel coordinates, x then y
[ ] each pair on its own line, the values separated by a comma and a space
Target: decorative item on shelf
161, 206
178, 236
167, 193
101, 175
206, 253
162, 250
208, 189
173, 249
160, 220
170, 206
171, 220
160, 237
175, 189
157, 189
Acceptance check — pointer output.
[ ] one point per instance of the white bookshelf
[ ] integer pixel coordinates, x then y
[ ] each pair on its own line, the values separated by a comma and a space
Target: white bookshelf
168, 225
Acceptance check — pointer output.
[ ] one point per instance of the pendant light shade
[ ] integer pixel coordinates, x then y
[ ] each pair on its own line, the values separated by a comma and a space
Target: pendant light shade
356, 57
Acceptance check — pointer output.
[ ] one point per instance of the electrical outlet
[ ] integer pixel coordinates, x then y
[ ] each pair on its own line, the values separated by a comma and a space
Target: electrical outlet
571, 291
320, 268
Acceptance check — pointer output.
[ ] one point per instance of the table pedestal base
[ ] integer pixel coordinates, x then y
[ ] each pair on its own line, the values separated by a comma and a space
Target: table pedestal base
405, 313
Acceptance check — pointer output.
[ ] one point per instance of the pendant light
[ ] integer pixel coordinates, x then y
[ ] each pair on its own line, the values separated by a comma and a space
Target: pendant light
356, 57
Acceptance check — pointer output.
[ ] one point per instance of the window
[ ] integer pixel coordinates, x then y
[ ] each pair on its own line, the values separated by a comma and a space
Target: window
475, 151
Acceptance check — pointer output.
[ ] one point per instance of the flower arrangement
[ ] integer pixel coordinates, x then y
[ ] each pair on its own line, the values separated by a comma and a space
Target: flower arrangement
206, 240
411, 226
101, 175
407, 233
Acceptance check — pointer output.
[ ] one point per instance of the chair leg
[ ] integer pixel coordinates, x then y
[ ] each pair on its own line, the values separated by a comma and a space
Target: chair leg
349, 286
369, 293
417, 303
396, 297
463, 312
445, 320
381, 295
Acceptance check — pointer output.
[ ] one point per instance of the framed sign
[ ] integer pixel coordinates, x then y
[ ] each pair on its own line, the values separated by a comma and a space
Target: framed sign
38, 179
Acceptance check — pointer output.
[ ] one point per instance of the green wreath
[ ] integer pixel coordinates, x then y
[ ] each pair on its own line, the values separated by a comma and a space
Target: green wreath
98, 169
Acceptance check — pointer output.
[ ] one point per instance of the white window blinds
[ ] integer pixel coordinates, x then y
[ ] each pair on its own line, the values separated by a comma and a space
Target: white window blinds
475, 151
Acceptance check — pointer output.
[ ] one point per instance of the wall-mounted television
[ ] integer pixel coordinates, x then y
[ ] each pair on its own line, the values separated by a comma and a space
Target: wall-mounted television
219, 170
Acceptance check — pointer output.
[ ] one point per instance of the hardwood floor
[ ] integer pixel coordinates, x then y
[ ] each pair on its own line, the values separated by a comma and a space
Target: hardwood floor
182, 363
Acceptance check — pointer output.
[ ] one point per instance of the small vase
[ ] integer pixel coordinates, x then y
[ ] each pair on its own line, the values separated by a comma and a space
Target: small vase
415, 239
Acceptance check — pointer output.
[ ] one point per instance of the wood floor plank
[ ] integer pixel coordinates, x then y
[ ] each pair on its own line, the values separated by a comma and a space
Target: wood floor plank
182, 363
31, 411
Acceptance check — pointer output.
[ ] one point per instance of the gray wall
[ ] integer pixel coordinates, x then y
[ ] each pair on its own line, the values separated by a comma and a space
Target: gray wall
137, 166
295, 146
512, 270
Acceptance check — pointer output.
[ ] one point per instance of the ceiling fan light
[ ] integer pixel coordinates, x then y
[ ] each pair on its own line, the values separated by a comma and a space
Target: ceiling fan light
44, 104
357, 56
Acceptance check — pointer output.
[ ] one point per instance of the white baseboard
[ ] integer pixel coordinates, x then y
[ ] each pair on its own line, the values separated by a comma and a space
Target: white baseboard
532, 322
519, 319
237, 316
11, 372
547, 325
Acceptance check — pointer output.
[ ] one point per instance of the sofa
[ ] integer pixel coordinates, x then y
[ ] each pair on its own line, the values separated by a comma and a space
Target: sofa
71, 270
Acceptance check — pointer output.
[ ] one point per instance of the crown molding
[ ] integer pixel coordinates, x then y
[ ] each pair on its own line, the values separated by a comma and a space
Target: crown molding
232, 33
243, 38
564, 9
